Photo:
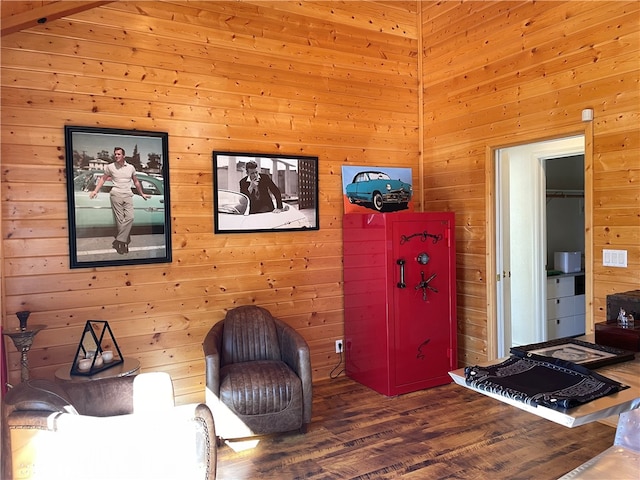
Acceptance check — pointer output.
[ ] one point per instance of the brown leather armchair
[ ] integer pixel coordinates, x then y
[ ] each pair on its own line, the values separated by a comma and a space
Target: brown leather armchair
116, 428
258, 374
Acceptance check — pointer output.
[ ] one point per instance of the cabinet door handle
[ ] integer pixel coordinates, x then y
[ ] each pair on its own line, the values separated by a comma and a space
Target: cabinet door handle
401, 283
557, 301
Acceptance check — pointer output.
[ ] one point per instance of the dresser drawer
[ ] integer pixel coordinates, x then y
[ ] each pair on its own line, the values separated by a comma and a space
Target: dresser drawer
580, 305
561, 307
560, 287
565, 327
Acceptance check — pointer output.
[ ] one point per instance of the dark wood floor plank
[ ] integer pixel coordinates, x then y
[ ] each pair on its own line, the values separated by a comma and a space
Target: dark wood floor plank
446, 432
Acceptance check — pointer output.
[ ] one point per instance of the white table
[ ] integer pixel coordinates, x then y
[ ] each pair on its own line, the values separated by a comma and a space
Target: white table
623, 401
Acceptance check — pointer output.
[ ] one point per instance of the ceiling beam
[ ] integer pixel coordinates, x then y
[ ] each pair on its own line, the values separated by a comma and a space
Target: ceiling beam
43, 14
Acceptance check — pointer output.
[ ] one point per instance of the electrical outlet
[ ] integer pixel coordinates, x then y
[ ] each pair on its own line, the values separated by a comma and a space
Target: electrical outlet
338, 346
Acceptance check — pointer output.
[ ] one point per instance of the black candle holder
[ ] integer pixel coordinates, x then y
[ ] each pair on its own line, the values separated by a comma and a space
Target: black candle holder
91, 357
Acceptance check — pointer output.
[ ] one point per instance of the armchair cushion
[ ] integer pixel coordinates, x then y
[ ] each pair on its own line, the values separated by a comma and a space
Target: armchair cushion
261, 387
107, 397
249, 334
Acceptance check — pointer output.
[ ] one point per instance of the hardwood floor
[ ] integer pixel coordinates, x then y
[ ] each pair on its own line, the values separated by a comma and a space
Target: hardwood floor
447, 432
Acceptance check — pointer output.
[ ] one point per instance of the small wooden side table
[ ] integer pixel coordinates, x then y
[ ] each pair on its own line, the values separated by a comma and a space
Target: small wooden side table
129, 366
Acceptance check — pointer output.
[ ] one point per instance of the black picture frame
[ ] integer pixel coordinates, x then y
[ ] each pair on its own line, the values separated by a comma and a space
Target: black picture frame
239, 210
589, 355
92, 225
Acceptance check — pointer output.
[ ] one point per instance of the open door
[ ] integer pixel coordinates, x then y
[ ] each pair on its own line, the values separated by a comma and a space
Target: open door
521, 239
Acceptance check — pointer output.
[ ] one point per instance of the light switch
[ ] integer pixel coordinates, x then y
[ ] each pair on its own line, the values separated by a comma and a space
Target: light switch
614, 258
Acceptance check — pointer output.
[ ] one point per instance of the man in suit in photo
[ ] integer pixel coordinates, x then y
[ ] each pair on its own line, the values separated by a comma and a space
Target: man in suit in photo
259, 188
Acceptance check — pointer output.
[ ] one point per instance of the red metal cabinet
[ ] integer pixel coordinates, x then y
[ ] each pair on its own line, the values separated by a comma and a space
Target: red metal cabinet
400, 300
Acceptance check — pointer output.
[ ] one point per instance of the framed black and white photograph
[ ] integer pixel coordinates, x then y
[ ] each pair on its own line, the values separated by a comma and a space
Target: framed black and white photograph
118, 196
264, 192
589, 355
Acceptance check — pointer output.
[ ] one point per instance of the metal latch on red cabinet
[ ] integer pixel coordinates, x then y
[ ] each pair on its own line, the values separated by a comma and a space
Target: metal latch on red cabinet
424, 285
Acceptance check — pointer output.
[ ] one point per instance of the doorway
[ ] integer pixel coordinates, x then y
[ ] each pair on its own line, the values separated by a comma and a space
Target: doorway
521, 238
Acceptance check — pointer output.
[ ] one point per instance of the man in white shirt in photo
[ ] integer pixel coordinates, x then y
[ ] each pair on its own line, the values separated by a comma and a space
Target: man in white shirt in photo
121, 174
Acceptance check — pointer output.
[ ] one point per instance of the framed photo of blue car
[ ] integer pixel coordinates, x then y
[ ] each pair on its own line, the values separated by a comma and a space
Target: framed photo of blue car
118, 196
377, 189
264, 192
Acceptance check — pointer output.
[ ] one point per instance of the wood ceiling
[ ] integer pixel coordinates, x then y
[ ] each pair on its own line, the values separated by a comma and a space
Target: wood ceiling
17, 16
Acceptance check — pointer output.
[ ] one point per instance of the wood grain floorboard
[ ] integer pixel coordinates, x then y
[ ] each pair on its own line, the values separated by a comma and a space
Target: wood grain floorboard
446, 432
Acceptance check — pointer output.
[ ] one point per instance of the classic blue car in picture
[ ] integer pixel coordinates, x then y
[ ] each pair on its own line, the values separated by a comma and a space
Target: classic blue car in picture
378, 190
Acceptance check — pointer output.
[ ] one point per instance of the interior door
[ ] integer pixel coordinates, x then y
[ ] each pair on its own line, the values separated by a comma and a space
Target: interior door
422, 305
523, 246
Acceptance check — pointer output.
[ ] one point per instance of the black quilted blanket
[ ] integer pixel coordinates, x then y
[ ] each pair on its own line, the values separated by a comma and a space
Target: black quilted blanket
546, 381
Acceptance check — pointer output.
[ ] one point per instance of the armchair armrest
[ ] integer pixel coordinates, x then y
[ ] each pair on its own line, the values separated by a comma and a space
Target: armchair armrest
38, 395
295, 353
212, 347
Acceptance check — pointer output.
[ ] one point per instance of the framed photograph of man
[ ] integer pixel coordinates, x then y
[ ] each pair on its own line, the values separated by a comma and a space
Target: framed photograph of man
118, 196
264, 192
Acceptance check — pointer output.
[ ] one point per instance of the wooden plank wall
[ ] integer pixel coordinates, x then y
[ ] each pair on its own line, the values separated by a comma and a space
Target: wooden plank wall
319, 78
500, 73
337, 80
